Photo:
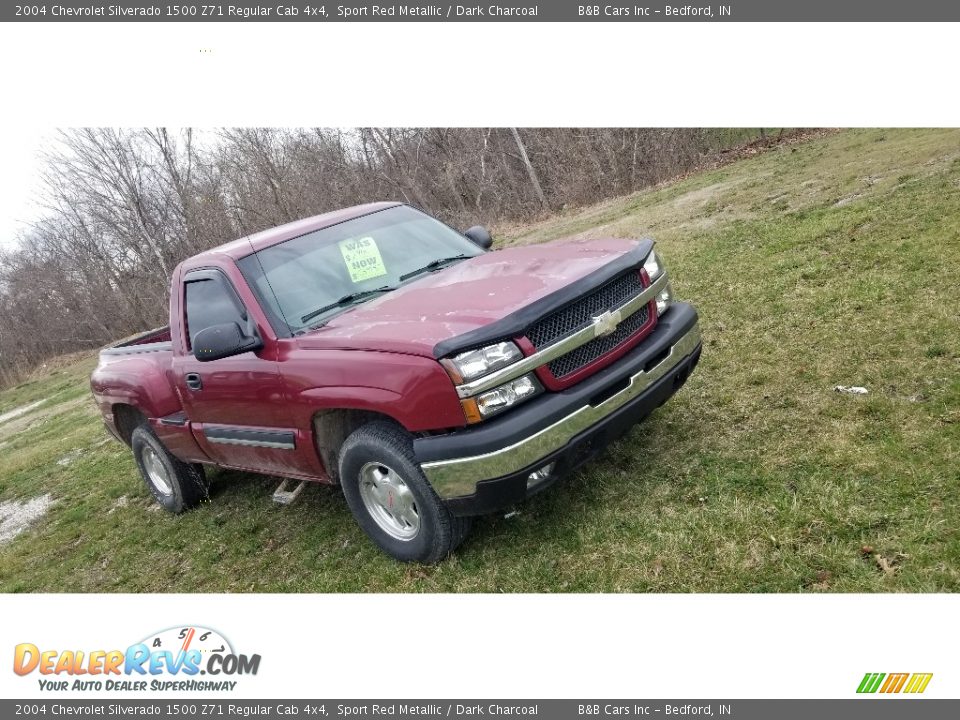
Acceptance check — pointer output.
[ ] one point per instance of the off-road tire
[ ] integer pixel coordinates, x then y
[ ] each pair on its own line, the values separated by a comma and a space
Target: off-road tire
186, 483
439, 532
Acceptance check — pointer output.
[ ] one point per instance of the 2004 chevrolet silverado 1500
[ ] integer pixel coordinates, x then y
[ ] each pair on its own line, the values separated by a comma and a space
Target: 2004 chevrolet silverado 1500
377, 348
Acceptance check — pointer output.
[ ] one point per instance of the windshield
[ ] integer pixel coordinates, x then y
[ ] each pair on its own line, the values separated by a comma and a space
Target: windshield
307, 280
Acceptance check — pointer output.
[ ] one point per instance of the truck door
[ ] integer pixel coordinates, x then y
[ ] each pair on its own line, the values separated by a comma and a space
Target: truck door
236, 404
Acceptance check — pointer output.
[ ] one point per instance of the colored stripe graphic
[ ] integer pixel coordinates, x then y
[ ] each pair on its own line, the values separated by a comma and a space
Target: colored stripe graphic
870, 682
918, 683
894, 683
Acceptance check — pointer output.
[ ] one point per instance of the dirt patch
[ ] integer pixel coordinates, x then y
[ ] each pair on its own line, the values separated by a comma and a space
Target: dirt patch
16, 516
701, 196
847, 200
22, 410
28, 419
70, 457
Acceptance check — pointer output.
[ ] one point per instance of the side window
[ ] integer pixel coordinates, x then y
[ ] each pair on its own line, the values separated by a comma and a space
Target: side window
209, 302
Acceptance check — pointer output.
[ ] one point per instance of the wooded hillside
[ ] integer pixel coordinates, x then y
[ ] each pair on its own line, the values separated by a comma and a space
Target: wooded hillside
122, 207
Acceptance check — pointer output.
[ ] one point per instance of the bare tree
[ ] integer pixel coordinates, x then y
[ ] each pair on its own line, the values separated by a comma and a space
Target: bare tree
123, 206
534, 180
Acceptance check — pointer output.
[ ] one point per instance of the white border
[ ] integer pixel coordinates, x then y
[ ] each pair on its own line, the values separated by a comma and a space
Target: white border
522, 646
634, 74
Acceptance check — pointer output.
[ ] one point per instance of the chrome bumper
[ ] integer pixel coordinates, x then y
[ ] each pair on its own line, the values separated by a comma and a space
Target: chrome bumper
459, 476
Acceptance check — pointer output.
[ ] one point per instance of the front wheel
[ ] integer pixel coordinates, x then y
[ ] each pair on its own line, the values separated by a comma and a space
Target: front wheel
392, 500
176, 485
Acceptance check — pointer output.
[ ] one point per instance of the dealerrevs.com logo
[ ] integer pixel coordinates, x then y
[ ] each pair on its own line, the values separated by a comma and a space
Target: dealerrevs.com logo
178, 659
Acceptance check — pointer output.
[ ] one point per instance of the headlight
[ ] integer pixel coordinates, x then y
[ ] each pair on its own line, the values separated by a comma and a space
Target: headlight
652, 266
501, 398
664, 299
477, 363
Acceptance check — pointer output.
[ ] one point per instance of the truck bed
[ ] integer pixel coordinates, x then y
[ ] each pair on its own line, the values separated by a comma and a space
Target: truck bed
156, 340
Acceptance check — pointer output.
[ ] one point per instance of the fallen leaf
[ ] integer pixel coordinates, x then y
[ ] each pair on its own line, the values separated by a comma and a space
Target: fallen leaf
888, 568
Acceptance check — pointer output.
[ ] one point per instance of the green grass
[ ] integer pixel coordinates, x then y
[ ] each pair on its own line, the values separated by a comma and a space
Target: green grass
830, 262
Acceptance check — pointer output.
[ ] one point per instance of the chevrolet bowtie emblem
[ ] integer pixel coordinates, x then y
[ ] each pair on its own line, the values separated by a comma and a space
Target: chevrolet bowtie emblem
606, 323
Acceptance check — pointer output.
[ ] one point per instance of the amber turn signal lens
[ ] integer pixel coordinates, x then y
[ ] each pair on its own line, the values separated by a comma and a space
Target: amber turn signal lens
470, 411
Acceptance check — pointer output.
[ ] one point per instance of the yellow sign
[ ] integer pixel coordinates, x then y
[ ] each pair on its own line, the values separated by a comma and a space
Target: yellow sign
362, 258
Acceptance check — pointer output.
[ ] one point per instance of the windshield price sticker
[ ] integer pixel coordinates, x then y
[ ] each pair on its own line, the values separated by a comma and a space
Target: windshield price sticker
362, 258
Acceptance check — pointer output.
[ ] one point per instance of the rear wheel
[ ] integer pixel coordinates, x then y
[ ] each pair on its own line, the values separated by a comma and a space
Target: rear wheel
392, 500
176, 485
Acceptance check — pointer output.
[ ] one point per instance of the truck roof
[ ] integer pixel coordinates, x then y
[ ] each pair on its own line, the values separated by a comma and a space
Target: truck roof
242, 247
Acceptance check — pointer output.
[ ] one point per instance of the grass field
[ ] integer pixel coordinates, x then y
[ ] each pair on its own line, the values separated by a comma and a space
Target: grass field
830, 262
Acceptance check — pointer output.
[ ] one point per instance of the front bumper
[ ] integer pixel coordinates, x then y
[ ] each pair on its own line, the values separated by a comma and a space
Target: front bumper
484, 469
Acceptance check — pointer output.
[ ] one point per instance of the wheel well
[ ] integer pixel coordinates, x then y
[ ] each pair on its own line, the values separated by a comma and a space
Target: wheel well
332, 427
126, 418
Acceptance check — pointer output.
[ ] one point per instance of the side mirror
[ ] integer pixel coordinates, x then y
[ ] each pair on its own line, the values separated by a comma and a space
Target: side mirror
480, 236
220, 341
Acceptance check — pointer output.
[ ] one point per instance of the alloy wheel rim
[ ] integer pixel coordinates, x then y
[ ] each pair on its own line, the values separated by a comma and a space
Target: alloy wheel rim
156, 471
389, 501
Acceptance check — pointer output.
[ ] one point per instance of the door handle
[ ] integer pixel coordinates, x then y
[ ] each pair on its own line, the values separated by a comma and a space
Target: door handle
193, 381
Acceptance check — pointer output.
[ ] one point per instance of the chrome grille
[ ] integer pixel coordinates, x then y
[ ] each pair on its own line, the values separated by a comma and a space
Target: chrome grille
598, 347
579, 314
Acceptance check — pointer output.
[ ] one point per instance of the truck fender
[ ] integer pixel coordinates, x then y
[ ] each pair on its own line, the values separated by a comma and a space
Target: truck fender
336, 412
141, 385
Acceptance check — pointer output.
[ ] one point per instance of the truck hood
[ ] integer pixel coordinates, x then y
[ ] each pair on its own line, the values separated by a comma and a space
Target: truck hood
464, 297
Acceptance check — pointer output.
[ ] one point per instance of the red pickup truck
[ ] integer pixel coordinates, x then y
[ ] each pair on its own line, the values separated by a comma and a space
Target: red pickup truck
379, 349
